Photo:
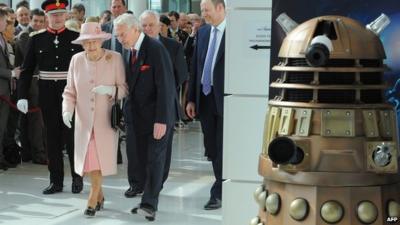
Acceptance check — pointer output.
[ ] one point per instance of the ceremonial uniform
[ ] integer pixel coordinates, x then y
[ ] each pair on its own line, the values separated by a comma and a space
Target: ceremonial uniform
50, 51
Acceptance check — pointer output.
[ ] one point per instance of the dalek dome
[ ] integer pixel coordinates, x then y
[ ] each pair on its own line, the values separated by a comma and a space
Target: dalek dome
349, 39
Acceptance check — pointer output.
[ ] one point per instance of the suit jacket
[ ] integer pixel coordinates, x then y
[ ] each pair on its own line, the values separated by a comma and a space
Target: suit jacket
198, 60
18, 30
175, 51
5, 71
21, 46
182, 35
177, 57
151, 89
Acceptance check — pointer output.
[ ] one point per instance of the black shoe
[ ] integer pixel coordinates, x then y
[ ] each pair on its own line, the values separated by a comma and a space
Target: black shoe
213, 203
9, 165
147, 211
52, 188
77, 185
133, 191
39, 159
3, 165
26, 157
100, 205
134, 210
90, 212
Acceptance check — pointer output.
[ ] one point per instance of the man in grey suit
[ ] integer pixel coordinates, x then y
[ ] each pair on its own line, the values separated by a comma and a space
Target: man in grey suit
6, 72
117, 8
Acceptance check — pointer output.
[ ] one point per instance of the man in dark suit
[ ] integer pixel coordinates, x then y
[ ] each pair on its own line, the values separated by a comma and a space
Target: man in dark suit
206, 88
23, 18
151, 96
150, 24
176, 33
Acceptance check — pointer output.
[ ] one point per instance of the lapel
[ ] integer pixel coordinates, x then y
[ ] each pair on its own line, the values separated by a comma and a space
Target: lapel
221, 49
205, 47
4, 51
139, 61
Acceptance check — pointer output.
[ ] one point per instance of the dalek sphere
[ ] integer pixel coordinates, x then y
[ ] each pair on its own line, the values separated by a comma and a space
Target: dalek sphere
330, 148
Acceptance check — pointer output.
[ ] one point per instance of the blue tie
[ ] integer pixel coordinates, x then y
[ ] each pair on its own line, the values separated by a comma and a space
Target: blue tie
208, 64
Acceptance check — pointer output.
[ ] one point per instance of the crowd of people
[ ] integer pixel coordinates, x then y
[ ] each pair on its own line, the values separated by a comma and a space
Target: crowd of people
61, 72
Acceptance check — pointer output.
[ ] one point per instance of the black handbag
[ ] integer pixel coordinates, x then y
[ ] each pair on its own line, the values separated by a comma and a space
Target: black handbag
116, 114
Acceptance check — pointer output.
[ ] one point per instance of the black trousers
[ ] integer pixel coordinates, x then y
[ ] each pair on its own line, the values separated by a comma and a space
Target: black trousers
168, 155
136, 170
57, 135
137, 159
212, 127
11, 123
32, 128
153, 162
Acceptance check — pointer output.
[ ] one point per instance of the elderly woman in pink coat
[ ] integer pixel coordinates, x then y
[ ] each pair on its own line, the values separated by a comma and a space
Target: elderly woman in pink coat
94, 78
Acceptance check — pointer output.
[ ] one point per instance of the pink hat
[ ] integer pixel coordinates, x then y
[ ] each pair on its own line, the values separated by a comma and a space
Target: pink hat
91, 30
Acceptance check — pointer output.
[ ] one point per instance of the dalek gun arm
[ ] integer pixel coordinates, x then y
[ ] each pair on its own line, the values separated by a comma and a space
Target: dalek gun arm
283, 151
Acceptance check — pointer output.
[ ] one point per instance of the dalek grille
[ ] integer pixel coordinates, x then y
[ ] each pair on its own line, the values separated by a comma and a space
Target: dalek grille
336, 78
299, 77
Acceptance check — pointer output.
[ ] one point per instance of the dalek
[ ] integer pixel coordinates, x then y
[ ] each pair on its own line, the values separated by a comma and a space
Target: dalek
330, 144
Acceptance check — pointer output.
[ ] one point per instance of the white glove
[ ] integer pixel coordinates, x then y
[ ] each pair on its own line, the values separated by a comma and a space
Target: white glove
22, 105
67, 118
16, 72
104, 90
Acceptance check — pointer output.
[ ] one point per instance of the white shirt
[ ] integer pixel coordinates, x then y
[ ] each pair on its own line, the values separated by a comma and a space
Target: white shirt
220, 32
23, 28
138, 43
174, 32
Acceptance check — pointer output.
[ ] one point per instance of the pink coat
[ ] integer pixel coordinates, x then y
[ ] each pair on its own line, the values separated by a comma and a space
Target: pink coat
93, 111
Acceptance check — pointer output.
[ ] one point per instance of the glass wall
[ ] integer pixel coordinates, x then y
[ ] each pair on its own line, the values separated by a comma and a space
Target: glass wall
179, 5
5, 1
155, 5
93, 7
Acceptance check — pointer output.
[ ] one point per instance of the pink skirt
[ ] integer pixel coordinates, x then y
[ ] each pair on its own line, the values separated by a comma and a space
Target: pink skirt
91, 159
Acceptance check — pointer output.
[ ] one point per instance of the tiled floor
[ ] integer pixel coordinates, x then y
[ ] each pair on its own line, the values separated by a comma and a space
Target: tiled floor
181, 201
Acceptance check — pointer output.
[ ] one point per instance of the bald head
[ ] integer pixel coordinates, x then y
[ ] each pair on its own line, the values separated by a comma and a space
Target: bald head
23, 16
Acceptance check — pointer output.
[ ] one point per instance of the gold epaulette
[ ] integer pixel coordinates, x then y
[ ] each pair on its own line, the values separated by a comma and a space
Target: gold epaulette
33, 33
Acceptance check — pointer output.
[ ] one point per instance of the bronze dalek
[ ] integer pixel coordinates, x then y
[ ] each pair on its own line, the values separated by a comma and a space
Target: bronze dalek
330, 148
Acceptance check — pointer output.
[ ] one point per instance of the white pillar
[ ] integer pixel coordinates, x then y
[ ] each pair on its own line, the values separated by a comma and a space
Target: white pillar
137, 6
243, 138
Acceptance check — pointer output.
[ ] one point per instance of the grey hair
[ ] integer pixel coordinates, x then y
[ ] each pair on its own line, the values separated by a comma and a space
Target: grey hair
150, 13
127, 19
